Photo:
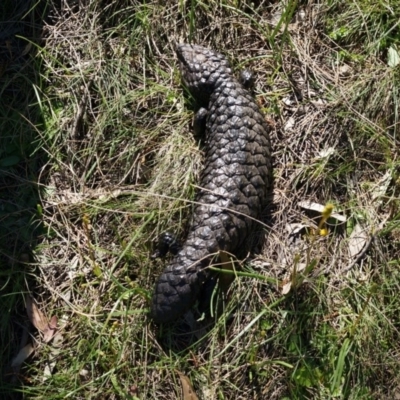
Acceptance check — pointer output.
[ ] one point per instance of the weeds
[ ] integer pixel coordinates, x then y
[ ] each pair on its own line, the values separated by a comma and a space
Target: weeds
313, 310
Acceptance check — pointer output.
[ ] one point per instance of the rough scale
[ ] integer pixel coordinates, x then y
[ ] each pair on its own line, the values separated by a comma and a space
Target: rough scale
235, 180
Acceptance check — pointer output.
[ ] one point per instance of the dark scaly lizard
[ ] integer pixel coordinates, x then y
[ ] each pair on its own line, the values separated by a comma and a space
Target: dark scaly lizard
234, 183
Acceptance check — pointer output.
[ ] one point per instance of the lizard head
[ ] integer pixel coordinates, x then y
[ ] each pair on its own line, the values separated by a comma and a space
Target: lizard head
202, 69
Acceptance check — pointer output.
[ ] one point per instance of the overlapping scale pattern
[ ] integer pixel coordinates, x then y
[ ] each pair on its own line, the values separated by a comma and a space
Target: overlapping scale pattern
234, 182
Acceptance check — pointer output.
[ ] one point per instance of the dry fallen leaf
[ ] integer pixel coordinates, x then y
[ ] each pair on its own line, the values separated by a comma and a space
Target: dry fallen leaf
309, 205
380, 189
22, 355
300, 267
37, 318
39, 321
357, 241
53, 356
50, 330
286, 287
289, 124
297, 229
187, 388
53, 322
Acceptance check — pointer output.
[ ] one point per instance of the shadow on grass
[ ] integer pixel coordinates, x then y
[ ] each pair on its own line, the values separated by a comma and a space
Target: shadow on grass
20, 163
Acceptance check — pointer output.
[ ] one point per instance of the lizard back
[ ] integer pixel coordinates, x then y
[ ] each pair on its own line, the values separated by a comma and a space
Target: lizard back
234, 182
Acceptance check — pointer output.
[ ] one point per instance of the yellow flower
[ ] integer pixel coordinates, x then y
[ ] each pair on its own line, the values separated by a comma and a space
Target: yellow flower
327, 211
323, 232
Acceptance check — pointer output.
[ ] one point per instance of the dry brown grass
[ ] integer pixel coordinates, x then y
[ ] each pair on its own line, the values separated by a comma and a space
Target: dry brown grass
123, 165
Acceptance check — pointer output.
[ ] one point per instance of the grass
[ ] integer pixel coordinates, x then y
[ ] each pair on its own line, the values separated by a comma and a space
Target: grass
98, 158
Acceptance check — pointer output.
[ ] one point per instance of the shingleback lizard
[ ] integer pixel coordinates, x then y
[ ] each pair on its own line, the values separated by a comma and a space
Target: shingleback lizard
234, 182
